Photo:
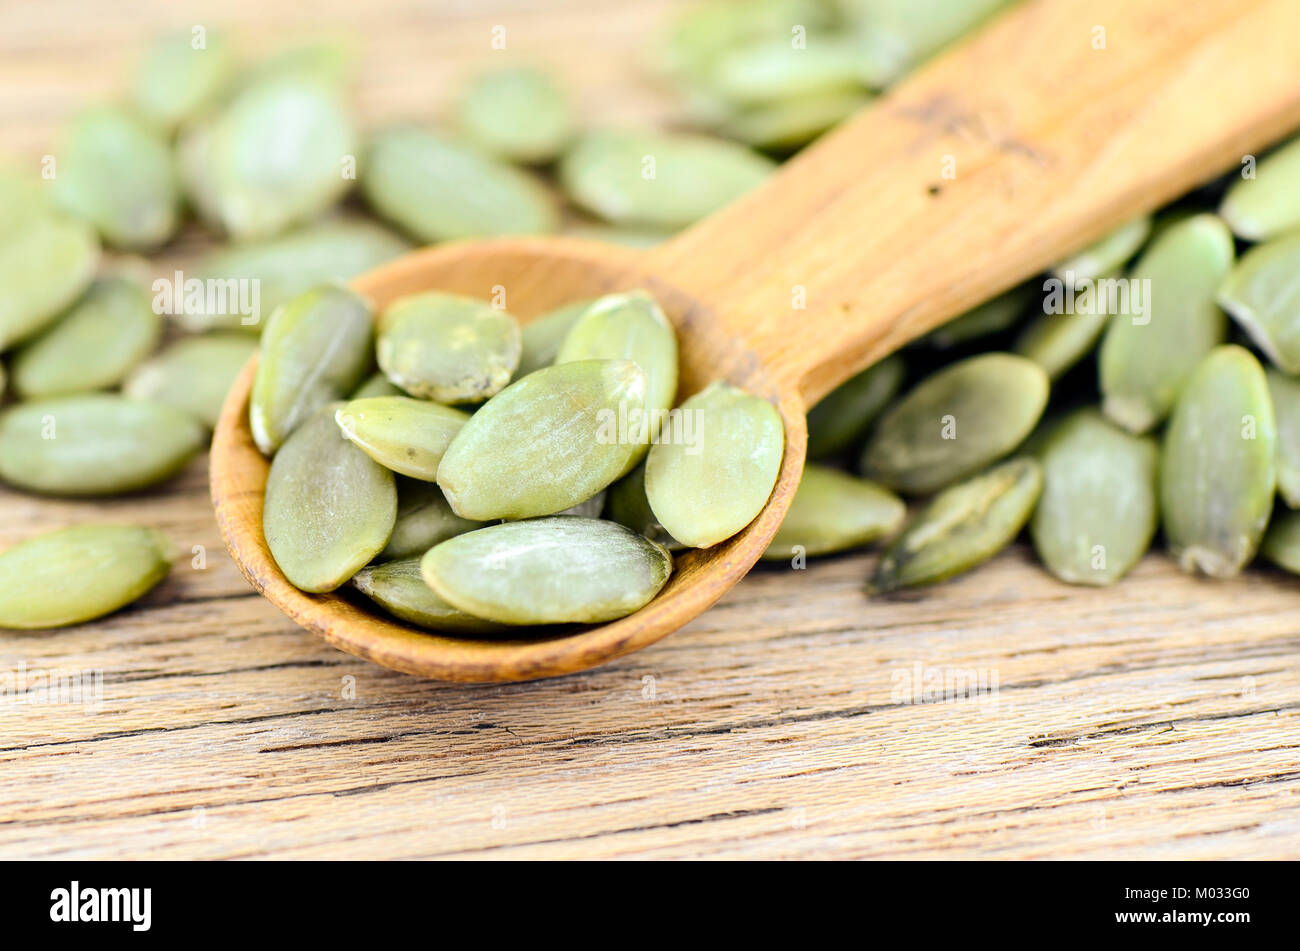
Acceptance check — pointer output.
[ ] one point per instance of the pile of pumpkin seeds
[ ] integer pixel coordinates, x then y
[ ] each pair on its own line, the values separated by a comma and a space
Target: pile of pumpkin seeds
1095, 425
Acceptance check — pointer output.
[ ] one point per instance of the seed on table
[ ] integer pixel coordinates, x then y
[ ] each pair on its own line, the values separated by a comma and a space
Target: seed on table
316, 350
985, 320
447, 347
1263, 296
1285, 393
1218, 469
1057, 342
1281, 544
44, 268
193, 374
176, 80
78, 574
1098, 511
842, 418
399, 589
956, 422
93, 346
1148, 352
423, 520
95, 444
707, 487
546, 442
548, 571
1267, 205
406, 435
1107, 254
376, 385
542, 338
833, 511
772, 70
520, 114
896, 35
962, 527
790, 123
329, 507
437, 189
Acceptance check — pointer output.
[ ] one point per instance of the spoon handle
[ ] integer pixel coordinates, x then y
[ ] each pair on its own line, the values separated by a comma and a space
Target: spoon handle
1057, 122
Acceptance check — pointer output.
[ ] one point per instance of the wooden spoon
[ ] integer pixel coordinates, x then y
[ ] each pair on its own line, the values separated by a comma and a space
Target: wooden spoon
1056, 123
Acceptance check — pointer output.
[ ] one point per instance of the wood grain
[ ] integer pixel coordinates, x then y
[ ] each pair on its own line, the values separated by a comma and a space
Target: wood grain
1156, 719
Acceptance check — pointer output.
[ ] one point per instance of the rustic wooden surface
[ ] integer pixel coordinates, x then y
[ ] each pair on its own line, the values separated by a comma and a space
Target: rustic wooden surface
1155, 719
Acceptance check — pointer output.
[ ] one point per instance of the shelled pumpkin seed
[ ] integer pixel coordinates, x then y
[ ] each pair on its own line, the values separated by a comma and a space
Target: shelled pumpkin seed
1284, 391
843, 416
985, 320
193, 374
45, 265
834, 511
1263, 296
520, 114
180, 75
1281, 544
542, 338
1268, 204
399, 588
406, 435
627, 504
1107, 254
424, 518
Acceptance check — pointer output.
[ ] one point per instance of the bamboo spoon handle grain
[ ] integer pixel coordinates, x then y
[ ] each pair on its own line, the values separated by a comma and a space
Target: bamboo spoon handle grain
1056, 123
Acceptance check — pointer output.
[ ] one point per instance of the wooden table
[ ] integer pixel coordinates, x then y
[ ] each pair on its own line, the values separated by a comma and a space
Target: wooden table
1158, 719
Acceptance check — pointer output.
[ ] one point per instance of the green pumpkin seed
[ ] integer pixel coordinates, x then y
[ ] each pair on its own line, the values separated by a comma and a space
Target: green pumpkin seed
406, 435
992, 317
1267, 205
43, 269
546, 442
1218, 469
1146, 358
833, 511
1281, 544
1098, 511
278, 154
702, 32
543, 337
23, 199
626, 503
844, 415
193, 375
94, 346
447, 348
707, 488
901, 33
956, 422
316, 349
791, 123
78, 574
329, 507
423, 520
548, 571
774, 69
964, 526
1106, 254
621, 237
1263, 296
519, 114
180, 76
376, 385
437, 189
329, 61
116, 172
630, 327
658, 179
284, 267
96, 444
1057, 342
1285, 393
398, 588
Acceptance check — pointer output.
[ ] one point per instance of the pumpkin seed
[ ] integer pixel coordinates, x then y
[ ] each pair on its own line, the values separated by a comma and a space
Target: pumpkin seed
902, 33
701, 33
1267, 205
833, 511
519, 114
181, 75
546, 442
44, 268
193, 375
774, 69
94, 346
1107, 253
630, 327
964, 526
284, 267
96, 444
626, 503
406, 435
276, 155
329, 61
707, 488
1057, 342
447, 348
1218, 469
621, 237
542, 338
1098, 511
1285, 394
78, 574
990, 318
548, 571
1144, 361
956, 422
1281, 544
437, 189
116, 172
844, 415
658, 179
423, 520
398, 588
1263, 296
316, 349
790, 123
329, 507
376, 385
